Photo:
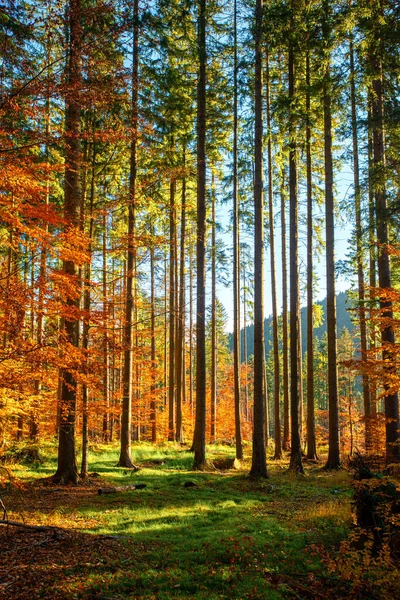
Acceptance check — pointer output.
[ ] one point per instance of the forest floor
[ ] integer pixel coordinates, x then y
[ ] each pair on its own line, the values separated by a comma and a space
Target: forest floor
224, 537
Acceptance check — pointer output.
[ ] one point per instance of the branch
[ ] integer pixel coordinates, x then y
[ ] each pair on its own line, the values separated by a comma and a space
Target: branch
27, 83
25, 526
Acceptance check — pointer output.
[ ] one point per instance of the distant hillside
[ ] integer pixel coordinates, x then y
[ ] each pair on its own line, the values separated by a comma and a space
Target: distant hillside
343, 321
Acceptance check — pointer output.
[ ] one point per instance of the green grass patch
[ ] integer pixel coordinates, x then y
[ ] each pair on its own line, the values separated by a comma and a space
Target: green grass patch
227, 537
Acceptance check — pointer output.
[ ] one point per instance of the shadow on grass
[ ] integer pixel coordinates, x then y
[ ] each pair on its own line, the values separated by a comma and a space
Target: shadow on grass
227, 537
222, 552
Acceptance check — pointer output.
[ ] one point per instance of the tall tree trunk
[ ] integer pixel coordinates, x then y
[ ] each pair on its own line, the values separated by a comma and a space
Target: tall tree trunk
372, 248
295, 350
199, 438
172, 313
114, 371
236, 262
86, 322
359, 251
213, 411
259, 464
333, 461
106, 360
266, 406
125, 459
277, 378
43, 253
67, 470
311, 439
153, 387
246, 382
191, 323
285, 334
180, 338
382, 232
165, 327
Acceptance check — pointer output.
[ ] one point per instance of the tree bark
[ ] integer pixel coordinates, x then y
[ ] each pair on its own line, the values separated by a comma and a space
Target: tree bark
199, 438
277, 378
172, 314
153, 387
311, 439
180, 338
285, 334
125, 459
391, 398
67, 470
191, 324
236, 260
86, 324
359, 255
295, 372
259, 464
213, 428
333, 461
246, 381
106, 360
372, 250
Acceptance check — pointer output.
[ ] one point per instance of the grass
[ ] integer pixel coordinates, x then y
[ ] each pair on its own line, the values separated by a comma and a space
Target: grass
228, 537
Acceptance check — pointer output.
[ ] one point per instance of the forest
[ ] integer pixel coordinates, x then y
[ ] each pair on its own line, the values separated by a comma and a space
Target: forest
179, 366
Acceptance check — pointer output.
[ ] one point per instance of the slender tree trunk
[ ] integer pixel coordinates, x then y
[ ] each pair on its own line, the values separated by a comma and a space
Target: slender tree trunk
311, 439
191, 324
165, 329
259, 464
114, 379
277, 378
246, 383
153, 388
359, 250
266, 406
199, 438
125, 459
180, 349
106, 359
172, 314
236, 263
43, 253
391, 398
86, 322
67, 470
295, 350
333, 461
372, 249
285, 333
213, 428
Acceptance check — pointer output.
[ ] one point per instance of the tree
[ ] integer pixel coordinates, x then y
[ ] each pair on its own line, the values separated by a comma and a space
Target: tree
277, 420
382, 228
125, 459
199, 438
295, 350
236, 261
311, 439
180, 339
258, 465
67, 470
333, 461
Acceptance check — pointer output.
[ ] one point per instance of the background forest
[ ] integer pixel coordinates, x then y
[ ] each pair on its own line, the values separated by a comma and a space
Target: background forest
152, 153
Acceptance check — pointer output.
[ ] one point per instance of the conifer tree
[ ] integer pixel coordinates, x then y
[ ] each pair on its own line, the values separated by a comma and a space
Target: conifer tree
258, 465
